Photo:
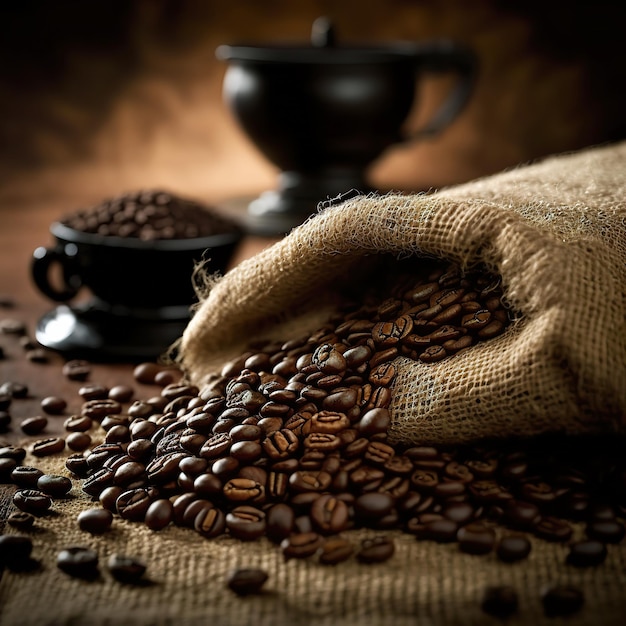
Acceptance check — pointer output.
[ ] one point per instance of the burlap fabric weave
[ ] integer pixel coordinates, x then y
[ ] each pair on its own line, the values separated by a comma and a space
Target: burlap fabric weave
424, 583
556, 233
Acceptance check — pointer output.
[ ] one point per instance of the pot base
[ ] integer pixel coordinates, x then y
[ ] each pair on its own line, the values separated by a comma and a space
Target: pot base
297, 197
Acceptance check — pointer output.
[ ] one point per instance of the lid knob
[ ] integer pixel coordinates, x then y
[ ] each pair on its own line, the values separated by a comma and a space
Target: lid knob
322, 33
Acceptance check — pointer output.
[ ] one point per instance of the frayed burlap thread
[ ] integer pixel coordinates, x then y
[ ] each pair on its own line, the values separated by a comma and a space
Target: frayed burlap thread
556, 233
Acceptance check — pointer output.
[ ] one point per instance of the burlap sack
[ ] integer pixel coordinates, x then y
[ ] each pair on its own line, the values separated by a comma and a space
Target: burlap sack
556, 233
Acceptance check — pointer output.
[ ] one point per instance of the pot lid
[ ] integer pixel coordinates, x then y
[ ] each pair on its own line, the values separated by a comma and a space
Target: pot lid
323, 49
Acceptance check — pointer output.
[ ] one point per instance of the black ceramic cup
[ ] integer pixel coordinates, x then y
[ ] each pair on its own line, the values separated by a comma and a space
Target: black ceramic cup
138, 295
127, 272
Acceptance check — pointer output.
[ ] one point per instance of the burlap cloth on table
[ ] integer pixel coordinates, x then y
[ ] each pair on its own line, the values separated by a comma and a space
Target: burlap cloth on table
555, 230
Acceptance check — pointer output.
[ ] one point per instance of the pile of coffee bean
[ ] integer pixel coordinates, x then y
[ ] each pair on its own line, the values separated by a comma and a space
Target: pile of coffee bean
290, 443
150, 215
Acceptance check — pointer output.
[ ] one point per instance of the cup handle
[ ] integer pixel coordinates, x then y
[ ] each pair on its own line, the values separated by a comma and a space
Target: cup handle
43, 259
442, 57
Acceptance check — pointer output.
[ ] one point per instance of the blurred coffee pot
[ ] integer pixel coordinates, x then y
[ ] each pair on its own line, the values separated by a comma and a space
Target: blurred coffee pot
323, 113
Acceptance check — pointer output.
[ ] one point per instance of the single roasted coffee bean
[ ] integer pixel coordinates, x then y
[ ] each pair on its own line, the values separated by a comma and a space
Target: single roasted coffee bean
16, 453
5, 421
121, 393
78, 442
126, 569
78, 423
246, 522
301, 545
53, 405
376, 549
335, 550
133, 504
476, 538
95, 521
33, 425
561, 600
210, 521
79, 562
440, 530
77, 369
159, 514
54, 486
280, 522
77, 465
373, 506
21, 520
6, 469
513, 548
586, 553
145, 373
607, 531
100, 408
329, 514
25, 476
32, 501
15, 551
48, 447
501, 601
14, 389
246, 581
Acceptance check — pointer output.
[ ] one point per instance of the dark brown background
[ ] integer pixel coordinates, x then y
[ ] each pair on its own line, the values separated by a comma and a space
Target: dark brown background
102, 96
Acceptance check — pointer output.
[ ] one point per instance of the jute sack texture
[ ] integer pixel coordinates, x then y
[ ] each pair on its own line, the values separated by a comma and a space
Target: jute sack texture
556, 233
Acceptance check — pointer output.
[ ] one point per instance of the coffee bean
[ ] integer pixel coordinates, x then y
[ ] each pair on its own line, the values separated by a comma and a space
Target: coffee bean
513, 548
33, 425
6, 469
25, 476
476, 538
329, 514
78, 423
77, 465
133, 504
246, 522
12, 452
607, 531
77, 369
246, 581
211, 522
301, 545
5, 421
53, 405
48, 447
501, 601
78, 442
95, 521
280, 522
159, 514
79, 562
126, 569
12, 326
15, 551
32, 501
21, 520
561, 600
145, 373
54, 486
14, 389
440, 530
121, 393
586, 553
376, 549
